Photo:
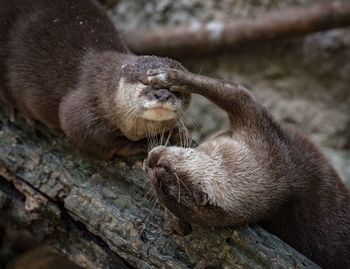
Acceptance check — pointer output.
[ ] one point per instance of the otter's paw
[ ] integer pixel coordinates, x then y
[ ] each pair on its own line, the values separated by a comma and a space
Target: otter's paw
169, 78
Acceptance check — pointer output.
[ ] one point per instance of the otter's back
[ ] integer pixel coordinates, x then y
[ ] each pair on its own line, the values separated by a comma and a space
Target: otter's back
42, 44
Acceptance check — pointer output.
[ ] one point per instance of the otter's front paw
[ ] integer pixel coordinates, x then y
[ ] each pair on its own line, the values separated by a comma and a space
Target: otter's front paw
168, 78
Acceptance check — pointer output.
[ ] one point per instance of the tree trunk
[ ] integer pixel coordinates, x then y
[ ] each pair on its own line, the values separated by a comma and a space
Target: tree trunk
104, 215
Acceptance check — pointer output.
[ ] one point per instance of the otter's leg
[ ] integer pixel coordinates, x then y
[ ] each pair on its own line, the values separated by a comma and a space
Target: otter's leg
231, 97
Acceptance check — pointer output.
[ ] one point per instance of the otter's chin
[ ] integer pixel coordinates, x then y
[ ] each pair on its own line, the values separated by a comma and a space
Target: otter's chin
158, 114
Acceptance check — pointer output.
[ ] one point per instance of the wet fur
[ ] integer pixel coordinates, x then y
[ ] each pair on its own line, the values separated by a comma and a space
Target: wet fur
61, 62
258, 171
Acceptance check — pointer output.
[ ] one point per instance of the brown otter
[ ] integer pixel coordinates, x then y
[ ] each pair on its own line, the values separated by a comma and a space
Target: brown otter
63, 63
258, 171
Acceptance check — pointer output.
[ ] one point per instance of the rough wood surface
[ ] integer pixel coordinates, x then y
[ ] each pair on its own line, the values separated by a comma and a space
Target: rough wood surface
222, 36
102, 214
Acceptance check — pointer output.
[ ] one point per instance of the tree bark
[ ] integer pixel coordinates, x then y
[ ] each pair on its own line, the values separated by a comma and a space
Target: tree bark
101, 214
222, 36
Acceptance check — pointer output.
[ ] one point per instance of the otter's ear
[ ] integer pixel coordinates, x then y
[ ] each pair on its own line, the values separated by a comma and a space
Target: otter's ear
201, 198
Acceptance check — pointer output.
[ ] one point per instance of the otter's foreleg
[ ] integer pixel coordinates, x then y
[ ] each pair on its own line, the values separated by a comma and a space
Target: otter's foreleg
231, 97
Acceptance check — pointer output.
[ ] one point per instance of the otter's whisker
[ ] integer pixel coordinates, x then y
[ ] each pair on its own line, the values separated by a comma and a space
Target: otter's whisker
179, 197
188, 136
169, 135
151, 137
149, 198
181, 182
148, 218
148, 136
186, 142
132, 113
150, 191
113, 112
188, 118
154, 136
180, 134
161, 138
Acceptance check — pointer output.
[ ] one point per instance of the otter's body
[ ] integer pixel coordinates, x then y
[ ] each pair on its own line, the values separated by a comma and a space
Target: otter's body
61, 63
258, 171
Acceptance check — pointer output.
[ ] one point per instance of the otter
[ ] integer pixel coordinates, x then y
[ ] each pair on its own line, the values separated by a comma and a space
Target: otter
63, 63
257, 171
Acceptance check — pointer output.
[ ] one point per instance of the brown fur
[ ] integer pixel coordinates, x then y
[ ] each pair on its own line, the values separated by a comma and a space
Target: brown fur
258, 171
62, 63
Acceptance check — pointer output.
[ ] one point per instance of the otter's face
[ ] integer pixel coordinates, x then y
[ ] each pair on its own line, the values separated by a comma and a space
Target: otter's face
143, 101
190, 183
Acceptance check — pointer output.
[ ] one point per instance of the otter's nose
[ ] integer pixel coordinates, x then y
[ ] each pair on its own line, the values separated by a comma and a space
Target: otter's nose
162, 95
154, 155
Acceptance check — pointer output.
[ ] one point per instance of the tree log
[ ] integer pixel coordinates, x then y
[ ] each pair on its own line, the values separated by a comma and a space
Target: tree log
97, 213
222, 36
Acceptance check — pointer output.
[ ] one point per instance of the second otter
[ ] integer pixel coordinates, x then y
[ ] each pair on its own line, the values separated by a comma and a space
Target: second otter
257, 171
63, 63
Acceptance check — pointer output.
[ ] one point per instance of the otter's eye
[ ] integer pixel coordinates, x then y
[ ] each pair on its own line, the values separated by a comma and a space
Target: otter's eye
200, 197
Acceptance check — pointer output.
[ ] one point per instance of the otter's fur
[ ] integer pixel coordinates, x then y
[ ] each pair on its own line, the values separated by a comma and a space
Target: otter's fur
63, 63
257, 171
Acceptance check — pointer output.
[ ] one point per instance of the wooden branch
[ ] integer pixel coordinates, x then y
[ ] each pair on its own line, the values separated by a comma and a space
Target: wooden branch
97, 214
216, 36
48, 221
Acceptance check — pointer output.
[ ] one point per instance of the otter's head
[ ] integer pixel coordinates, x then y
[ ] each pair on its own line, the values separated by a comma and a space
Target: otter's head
192, 183
145, 103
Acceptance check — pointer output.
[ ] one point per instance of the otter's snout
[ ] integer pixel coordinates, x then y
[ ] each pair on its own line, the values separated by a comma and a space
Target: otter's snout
151, 164
154, 156
159, 95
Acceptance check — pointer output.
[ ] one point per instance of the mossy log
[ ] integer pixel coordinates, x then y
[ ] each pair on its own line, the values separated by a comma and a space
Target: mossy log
103, 214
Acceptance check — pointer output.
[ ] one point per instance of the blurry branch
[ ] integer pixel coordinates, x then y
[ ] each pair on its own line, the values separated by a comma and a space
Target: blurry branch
218, 36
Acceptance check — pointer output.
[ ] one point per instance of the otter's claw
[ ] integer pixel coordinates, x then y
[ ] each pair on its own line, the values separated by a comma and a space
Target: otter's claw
165, 78
155, 72
158, 77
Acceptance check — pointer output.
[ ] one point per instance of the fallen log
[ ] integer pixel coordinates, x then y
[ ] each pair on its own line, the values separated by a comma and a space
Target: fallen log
223, 36
97, 212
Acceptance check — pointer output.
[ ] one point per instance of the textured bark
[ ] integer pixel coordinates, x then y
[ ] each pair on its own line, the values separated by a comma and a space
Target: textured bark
98, 214
222, 36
